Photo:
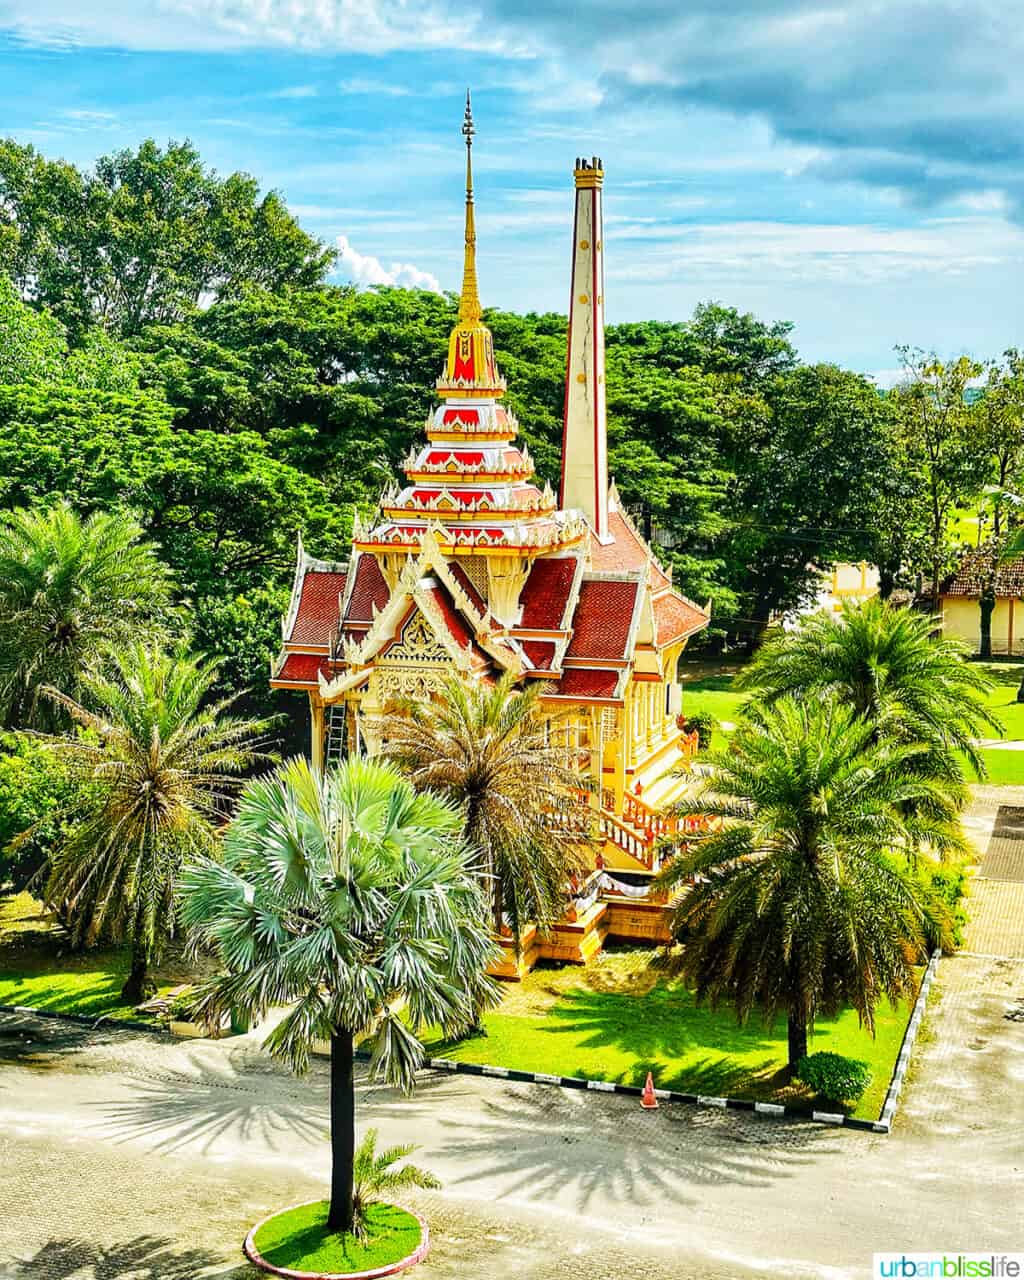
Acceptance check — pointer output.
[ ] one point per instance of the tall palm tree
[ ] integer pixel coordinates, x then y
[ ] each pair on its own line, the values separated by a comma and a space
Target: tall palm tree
69, 589
348, 898
802, 898
488, 749
888, 664
160, 760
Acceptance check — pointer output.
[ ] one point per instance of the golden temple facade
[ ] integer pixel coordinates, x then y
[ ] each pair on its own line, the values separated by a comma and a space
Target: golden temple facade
472, 566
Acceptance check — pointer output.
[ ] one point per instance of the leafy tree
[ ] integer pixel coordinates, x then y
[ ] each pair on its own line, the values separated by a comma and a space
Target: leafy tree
343, 897
487, 749
374, 1175
796, 904
896, 675
37, 801
939, 422
69, 589
812, 471
1000, 414
144, 237
32, 343
160, 760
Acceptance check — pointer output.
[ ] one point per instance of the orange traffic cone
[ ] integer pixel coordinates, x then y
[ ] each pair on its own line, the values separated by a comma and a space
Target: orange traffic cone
647, 1099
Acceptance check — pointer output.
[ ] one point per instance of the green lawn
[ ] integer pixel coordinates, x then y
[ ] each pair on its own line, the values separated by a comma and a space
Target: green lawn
616, 1019
37, 967
297, 1239
713, 692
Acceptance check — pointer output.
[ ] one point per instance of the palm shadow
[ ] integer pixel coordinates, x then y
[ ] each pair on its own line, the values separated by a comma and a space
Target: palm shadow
218, 1100
525, 1140
669, 1031
38, 1042
144, 1258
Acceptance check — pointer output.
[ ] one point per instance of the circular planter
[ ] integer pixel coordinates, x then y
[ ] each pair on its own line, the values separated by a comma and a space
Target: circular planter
389, 1269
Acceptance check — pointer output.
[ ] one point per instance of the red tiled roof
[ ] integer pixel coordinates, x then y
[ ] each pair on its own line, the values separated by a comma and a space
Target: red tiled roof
674, 619
974, 566
302, 667
540, 652
318, 607
602, 619
582, 682
369, 589
545, 594
463, 579
627, 551
460, 632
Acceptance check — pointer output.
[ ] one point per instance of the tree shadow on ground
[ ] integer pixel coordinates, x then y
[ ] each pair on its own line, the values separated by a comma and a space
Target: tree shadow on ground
215, 1101
144, 1258
39, 1043
541, 1142
665, 1026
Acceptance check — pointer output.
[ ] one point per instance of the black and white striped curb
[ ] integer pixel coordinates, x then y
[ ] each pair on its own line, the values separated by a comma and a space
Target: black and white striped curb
884, 1122
663, 1095
92, 1022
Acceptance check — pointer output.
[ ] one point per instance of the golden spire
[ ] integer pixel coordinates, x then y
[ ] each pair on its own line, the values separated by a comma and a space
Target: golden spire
470, 310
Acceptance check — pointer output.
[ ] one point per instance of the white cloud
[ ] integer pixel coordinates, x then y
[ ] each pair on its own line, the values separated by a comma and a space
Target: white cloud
363, 86
354, 26
296, 91
365, 270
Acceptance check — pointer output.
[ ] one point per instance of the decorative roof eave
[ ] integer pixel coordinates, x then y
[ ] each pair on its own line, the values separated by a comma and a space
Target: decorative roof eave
305, 564
332, 690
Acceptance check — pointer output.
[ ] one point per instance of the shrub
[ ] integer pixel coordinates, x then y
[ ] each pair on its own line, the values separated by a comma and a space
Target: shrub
703, 722
180, 1009
834, 1077
948, 881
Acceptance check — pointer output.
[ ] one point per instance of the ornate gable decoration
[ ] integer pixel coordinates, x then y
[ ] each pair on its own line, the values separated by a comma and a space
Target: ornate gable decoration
418, 645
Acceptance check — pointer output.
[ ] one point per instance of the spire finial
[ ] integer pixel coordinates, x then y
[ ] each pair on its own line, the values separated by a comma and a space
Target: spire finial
470, 310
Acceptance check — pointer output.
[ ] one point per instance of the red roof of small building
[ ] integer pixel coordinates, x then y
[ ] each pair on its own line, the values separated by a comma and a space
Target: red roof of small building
603, 617
972, 569
369, 589
675, 618
302, 668
460, 632
546, 593
583, 682
317, 614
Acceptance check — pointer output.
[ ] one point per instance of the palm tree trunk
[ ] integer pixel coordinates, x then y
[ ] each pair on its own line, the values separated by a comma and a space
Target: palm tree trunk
987, 604
797, 1034
138, 984
343, 1131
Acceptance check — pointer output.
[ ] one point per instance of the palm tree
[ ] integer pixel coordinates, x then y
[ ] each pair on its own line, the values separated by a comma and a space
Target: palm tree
888, 664
348, 898
159, 761
488, 749
802, 897
374, 1175
69, 589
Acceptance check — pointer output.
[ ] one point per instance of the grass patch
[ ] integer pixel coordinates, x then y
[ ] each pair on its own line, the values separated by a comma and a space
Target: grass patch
711, 691
299, 1239
39, 969
617, 1018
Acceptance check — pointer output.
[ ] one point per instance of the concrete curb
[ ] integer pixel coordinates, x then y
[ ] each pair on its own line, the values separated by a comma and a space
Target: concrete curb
884, 1122
389, 1269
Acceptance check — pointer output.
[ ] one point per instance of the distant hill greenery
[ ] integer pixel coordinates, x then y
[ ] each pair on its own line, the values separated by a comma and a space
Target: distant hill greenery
169, 344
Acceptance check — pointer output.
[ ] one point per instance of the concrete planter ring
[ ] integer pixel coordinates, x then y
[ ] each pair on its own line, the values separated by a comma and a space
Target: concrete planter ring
385, 1269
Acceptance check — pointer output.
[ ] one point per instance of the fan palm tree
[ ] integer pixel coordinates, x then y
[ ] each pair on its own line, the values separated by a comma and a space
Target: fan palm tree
803, 898
488, 749
888, 664
374, 1175
159, 760
69, 589
349, 898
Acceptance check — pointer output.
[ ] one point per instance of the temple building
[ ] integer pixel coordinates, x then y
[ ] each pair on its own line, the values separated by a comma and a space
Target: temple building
473, 566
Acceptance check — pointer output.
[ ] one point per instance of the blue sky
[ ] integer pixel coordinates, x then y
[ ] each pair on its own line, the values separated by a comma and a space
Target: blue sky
856, 166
